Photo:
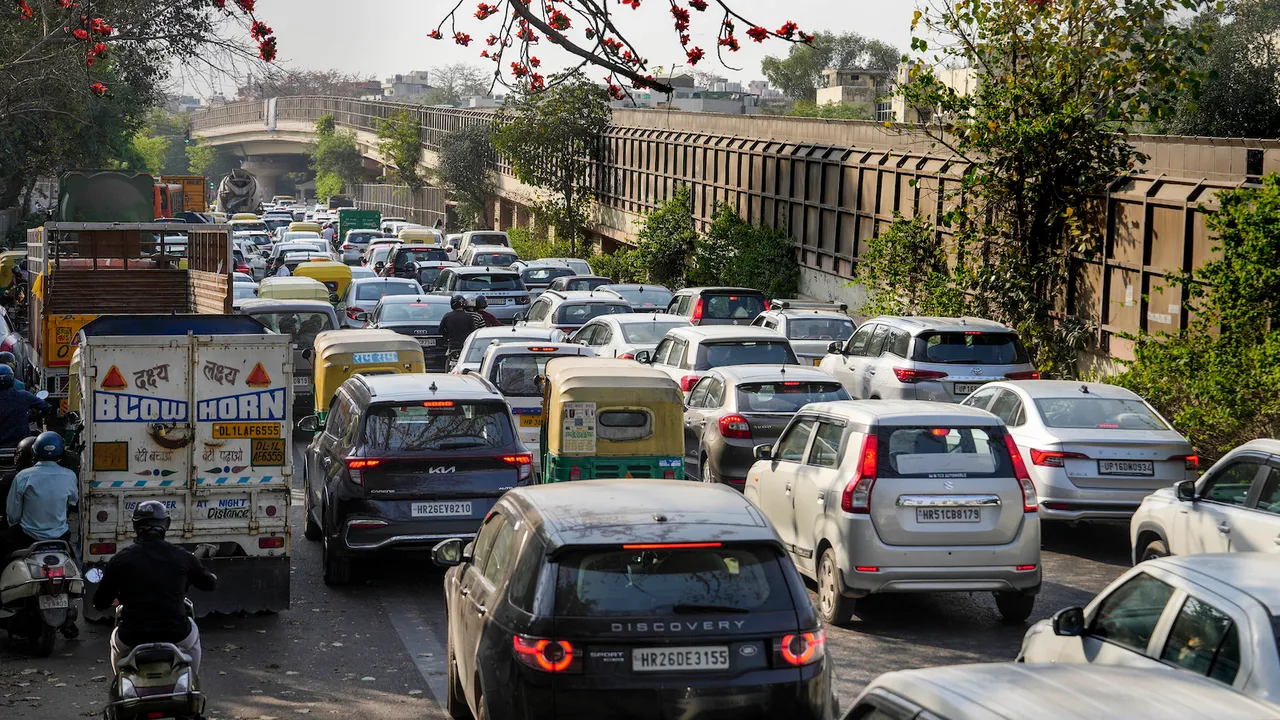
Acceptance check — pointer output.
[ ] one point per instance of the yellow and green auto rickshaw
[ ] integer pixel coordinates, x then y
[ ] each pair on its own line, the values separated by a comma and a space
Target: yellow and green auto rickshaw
604, 418
335, 276
339, 354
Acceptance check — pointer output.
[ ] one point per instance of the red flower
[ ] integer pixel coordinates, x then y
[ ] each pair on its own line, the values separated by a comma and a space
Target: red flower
25, 10
536, 82
695, 55
462, 38
807, 39
80, 34
730, 42
682, 17
788, 29
518, 69
616, 92
435, 34
684, 39
66, 4
559, 21
89, 61
98, 48
246, 5
98, 89
222, 4
757, 33
698, 5
267, 49
484, 53
534, 62
635, 4
259, 30
590, 33
491, 40
484, 11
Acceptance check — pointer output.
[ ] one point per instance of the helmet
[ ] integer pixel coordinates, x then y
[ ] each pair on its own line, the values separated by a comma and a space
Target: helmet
150, 517
7, 358
48, 445
457, 302
24, 455
481, 303
471, 302
6, 377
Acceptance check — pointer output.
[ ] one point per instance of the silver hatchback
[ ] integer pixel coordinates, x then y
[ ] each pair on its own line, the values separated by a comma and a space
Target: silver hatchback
893, 496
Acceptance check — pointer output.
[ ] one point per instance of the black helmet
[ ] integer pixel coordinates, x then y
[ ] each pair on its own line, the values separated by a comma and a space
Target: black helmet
457, 302
481, 303
7, 358
48, 446
150, 517
24, 456
6, 377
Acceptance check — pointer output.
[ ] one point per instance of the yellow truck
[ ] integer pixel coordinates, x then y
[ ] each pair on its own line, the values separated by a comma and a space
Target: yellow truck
194, 190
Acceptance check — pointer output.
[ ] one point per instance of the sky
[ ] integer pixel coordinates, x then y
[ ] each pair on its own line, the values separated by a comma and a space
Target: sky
385, 37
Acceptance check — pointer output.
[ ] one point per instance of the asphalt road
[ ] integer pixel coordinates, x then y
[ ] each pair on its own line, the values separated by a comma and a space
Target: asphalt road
376, 651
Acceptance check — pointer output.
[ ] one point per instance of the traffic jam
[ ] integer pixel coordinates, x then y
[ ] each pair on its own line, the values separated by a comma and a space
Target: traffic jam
637, 501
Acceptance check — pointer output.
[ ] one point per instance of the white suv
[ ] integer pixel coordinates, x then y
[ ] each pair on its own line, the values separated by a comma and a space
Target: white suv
567, 311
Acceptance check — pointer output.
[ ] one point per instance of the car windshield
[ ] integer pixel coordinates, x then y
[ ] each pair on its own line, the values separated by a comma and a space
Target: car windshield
494, 259
787, 396
484, 283
379, 254
517, 375
732, 307
405, 258
488, 239
942, 452
301, 326
378, 290
675, 581
544, 275
272, 223
646, 297
475, 353
1108, 413
446, 425
813, 328
413, 312
970, 348
754, 352
580, 313
648, 333
244, 291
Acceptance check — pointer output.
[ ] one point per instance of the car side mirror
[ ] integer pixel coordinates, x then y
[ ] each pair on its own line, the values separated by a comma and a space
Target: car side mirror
448, 553
519, 316
763, 452
377, 267
310, 423
306, 354
644, 357
42, 395
835, 348
1069, 622
1186, 491
362, 317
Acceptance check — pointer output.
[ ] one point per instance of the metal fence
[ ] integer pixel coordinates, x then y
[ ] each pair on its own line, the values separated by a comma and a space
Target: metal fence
423, 206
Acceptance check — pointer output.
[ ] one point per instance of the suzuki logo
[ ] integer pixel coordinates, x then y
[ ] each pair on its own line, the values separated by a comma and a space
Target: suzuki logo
441, 469
948, 485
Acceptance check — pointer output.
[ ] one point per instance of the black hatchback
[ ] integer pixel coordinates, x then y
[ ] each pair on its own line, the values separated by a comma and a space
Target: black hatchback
628, 598
405, 461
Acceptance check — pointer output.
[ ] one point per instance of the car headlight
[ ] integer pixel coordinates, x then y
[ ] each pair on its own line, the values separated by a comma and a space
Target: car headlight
126, 688
183, 684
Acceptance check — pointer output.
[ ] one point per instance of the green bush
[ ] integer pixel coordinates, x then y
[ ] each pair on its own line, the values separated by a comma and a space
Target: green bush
665, 238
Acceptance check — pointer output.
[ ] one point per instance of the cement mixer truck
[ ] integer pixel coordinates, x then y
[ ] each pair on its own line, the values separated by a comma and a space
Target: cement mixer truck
239, 193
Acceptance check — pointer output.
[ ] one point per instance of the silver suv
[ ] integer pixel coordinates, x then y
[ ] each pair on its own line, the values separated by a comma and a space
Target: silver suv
888, 496
927, 358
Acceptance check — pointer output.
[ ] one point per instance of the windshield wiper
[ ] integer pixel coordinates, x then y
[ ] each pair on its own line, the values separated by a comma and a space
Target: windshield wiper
693, 608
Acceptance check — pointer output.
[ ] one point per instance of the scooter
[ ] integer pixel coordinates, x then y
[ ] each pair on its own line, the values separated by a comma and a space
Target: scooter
155, 680
36, 590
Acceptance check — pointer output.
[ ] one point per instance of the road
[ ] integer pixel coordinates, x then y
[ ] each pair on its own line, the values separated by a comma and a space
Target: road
375, 651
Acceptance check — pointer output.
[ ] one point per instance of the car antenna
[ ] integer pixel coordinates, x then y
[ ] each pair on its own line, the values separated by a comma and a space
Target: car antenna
433, 387
1084, 389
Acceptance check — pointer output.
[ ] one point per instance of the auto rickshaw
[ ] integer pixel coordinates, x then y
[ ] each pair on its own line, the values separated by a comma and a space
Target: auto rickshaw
293, 288
339, 354
336, 276
8, 260
604, 418
305, 227
421, 236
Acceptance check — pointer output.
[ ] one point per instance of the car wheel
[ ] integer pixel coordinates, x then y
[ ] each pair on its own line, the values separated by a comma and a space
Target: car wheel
456, 701
1154, 549
311, 529
1015, 607
337, 569
833, 608
480, 711
703, 474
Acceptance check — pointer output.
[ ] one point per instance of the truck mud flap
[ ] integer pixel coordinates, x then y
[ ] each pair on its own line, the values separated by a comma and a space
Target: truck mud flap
245, 584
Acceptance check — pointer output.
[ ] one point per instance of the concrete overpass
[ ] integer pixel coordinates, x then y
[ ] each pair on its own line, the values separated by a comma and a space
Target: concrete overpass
832, 184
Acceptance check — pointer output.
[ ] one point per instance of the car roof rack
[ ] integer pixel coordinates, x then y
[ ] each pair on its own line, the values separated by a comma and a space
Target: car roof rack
801, 304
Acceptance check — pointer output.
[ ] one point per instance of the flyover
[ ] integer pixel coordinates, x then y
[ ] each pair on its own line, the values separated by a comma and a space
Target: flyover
832, 184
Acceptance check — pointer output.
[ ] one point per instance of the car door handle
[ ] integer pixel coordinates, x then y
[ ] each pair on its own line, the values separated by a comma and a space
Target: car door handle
1224, 528
465, 592
822, 499
871, 372
788, 488
480, 609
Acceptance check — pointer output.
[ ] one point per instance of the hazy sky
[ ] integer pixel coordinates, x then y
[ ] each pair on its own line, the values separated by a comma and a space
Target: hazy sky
384, 37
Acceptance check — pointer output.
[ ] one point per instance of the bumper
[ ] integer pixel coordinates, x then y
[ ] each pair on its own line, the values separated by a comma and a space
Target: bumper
1062, 499
507, 313
405, 532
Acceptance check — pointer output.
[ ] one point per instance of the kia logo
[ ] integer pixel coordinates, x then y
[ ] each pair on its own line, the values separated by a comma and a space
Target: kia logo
442, 469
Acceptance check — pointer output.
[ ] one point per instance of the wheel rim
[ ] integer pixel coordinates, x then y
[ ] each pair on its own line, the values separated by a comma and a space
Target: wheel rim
702, 469
827, 590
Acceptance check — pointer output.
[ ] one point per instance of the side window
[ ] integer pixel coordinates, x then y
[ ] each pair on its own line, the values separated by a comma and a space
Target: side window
1269, 498
586, 335
523, 585
876, 344
679, 306
484, 541
502, 554
715, 394
445, 281
679, 355
826, 446
1231, 485
1008, 408
337, 421
352, 417
539, 310
699, 394
662, 351
1128, 616
1204, 640
771, 324
899, 343
858, 343
604, 335
758, 322
981, 399
791, 446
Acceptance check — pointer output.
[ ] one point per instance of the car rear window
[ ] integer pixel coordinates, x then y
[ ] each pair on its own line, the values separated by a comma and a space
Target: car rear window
970, 348
301, 326
740, 352
446, 425
362, 238
581, 313
585, 283
378, 290
405, 258
731, 307
413, 312
475, 353
544, 275
485, 283
1109, 413
649, 333
942, 452
494, 259
787, 396
676, 581
647, 297
489, 239
819, 328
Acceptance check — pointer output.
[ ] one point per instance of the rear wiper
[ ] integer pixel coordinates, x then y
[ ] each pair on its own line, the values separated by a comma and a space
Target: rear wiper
693, 608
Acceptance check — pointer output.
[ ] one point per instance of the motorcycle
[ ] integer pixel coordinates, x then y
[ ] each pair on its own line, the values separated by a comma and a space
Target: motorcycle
155, 680
36, 590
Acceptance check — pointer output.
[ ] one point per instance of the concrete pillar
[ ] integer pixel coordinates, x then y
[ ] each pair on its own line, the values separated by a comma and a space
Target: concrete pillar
522, 216
268, 173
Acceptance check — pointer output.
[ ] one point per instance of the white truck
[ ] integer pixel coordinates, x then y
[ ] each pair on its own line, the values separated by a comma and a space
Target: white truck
194, 411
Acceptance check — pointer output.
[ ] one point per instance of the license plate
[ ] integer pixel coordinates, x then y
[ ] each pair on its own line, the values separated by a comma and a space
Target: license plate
427, 342
948, 515
52, 602
1126, 467
439, 509
301, 381
967, 388
531, 420
680, 658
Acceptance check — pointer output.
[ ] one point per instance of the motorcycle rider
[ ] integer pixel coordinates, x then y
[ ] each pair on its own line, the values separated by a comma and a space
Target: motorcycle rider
150, 579
476, 318
457, 324
490, 320
39, 498
14, 406
23, 458
7, 358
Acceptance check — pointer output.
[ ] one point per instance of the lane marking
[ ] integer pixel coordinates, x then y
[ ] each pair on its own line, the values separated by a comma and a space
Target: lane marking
408, 612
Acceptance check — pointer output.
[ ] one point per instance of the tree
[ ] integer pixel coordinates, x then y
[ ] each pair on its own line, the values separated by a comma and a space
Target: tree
1241, 94
453, 84
799, 75
335, 158
400, 144
1055, 80
666, 239
151, 152
465, 171
830, 111
553, 140
201, 159
279, 82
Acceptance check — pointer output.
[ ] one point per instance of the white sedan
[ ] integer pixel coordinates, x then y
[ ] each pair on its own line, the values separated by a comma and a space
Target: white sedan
623, 335
1094, 450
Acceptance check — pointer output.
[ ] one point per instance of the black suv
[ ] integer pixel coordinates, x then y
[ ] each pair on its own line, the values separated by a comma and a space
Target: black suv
405, 461
629, 598
400, 263
718, 305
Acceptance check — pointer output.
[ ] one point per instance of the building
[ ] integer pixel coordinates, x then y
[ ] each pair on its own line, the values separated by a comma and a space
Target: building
867, 89
761, 89
412, 87
962, 80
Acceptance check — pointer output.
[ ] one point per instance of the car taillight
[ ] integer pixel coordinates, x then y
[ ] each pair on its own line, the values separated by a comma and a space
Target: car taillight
799, 649
1190, 462
856, 497
687, 382
912, 375
102, 548
767, 305
697, 312
1029, 499
348, 246
668, 474
6, 345
735, 427
1054, 458
627, 356
1025, 375
353, 311
552, 656
270, 543
523, 464
356, 468
575, 473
